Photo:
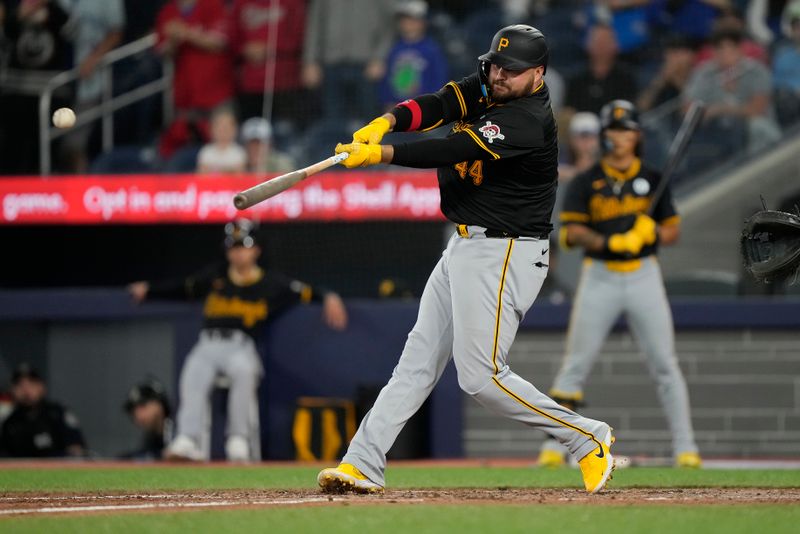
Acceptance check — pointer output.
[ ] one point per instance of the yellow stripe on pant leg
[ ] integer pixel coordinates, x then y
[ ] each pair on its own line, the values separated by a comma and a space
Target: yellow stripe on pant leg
500, 304
543, 413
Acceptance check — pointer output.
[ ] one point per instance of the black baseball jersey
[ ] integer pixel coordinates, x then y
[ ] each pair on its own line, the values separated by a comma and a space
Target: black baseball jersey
45, 430
608, 201
232, 306
513, 188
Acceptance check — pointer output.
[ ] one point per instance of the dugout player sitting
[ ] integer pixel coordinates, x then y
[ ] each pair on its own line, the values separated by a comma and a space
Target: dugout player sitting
498, 173
38, 427
240, 298
605, 213
149, 409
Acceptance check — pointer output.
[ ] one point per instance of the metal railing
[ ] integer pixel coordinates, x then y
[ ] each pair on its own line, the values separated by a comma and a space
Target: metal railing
104, 111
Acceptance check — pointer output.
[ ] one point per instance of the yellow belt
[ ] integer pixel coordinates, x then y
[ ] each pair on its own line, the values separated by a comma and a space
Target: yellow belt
619, 266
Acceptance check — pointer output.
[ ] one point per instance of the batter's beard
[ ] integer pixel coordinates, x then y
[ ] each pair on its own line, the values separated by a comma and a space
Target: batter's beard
528, 89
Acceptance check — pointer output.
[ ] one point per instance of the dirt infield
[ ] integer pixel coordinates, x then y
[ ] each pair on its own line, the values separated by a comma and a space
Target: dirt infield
38, 504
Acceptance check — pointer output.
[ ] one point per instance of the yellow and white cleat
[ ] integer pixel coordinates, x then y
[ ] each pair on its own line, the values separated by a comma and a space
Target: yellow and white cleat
688, 459
346, 479
597, 466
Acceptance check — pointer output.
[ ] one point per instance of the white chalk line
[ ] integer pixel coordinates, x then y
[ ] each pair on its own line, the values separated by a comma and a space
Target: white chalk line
167, 505
93, 497
152, 506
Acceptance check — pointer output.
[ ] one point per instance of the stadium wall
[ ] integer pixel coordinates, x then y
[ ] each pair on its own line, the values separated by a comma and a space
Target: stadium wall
740, 359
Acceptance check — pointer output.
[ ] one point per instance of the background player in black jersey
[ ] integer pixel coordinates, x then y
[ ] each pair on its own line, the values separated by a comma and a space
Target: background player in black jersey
38, 427
605, 213
497, 172
148, 406
240, 298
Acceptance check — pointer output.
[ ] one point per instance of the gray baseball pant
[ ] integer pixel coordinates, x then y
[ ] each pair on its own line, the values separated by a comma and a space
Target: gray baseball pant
235, 357
470, 310
602, 296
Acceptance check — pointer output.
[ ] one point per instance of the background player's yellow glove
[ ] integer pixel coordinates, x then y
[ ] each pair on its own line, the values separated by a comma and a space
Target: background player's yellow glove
646, 228
629, 242
373, 132
361, 155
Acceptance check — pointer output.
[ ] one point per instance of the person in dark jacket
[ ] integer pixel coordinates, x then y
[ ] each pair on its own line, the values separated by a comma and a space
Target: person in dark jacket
38, 427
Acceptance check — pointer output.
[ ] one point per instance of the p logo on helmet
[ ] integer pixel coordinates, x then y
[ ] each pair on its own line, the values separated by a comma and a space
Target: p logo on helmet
619, 113
517, 47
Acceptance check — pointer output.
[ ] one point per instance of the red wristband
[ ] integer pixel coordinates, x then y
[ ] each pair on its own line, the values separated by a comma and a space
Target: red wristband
416, 113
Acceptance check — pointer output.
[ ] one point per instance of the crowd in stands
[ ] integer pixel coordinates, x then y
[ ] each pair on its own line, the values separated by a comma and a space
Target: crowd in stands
316, 69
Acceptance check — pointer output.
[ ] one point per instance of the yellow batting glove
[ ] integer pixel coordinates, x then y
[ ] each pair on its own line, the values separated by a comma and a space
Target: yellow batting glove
361, 155
373, 132
646, 228
629, 242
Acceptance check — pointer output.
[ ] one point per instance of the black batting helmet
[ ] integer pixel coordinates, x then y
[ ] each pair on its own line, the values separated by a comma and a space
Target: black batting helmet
517, 47
619, 114
144, 392
241, 233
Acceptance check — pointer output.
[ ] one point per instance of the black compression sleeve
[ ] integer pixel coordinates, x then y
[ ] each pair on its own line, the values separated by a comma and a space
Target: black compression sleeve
431, 153
430, 109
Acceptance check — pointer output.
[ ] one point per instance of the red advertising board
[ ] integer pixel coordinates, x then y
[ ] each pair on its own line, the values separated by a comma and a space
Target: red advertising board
153, 199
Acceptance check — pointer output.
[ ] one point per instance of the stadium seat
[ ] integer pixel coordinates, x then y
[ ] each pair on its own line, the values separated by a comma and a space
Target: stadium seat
125, 160
183, 161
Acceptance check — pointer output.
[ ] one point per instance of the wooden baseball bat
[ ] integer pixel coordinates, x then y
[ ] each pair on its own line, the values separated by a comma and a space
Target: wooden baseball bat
270, 188
678, 149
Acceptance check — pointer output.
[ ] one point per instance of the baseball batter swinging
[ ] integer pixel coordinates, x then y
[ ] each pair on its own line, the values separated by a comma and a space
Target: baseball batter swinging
497, 173
605, 214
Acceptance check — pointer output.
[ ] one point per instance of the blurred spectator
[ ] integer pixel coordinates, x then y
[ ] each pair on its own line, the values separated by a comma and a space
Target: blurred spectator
605, 79
764, 20
261, 155
730, 21
149, 409
790, 12
630, 21
736, 89
36, 51
222, 154
415, 64
676, 68
187, 132
240, 298
194, 34
252, 22
786, 65
346, 43
583, 148
691, 18
38, 427
97, 28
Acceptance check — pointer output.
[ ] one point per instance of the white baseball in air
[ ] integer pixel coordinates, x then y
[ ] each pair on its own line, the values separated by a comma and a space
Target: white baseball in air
64, 118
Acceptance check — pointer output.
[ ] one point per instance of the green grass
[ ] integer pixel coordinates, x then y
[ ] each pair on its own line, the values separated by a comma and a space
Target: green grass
290, 476
390, 518
424, 518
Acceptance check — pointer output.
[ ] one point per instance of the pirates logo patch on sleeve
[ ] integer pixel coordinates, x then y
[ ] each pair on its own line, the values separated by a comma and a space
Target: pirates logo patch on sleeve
491, 132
